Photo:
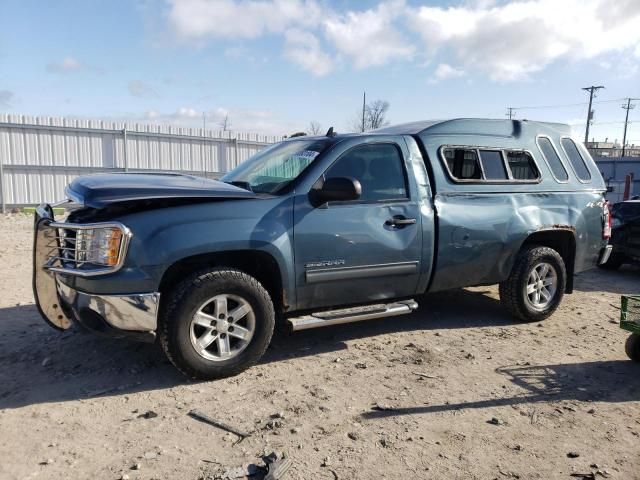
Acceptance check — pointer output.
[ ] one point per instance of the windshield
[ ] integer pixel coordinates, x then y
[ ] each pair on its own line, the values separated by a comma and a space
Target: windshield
276, 166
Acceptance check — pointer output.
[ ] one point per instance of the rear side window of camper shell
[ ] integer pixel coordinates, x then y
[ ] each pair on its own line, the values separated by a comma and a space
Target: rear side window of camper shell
489, 165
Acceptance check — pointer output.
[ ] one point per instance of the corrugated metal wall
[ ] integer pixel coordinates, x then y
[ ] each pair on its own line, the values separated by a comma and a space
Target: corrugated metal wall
39, 156
614, 170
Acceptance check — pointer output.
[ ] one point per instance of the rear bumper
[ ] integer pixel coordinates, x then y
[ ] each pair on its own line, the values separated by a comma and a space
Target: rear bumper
129, 315
605, 253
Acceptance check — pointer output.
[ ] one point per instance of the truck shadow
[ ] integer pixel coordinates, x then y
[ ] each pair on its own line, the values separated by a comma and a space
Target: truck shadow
453, 309
613, 381
40, 365
621, 281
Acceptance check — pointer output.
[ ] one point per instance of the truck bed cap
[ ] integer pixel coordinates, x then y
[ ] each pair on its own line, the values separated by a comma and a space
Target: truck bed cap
476, 126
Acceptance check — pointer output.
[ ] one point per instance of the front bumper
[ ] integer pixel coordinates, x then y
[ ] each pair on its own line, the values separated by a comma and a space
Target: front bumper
129, 315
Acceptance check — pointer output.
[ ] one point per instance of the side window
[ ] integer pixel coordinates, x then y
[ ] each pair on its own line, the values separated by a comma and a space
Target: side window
493, 165
378, 168
550, 154
522, 166
463, 163
574, 156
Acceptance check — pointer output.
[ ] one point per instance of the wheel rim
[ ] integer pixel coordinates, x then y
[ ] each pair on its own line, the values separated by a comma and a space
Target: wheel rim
222, 327
542, 285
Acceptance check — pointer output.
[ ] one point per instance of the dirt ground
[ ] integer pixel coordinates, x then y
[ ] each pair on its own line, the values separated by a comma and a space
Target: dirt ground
457, 390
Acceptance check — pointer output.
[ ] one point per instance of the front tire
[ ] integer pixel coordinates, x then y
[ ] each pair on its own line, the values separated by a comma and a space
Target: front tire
536, 284
216, 323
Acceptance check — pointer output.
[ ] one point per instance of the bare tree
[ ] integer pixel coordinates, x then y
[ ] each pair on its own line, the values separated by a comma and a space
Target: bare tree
314, 127
225, 123
375, 116
376, 113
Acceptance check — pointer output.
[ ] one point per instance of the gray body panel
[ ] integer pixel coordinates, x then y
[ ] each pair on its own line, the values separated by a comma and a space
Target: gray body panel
465, 234
481, 226
164, 236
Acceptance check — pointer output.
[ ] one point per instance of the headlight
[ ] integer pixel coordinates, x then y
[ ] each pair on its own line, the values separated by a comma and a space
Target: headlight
99, 246
87, 249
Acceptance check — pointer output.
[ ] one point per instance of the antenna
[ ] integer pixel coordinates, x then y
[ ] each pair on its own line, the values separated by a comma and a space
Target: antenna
330, 132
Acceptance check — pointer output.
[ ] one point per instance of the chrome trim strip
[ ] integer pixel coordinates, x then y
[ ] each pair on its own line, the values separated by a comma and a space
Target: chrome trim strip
349, 273
452, 193
133, 312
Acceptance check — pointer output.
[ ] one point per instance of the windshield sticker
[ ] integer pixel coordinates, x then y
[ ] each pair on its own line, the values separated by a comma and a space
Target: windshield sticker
305, 155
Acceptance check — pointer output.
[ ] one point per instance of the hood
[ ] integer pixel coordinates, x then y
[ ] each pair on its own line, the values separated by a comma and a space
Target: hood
101, 190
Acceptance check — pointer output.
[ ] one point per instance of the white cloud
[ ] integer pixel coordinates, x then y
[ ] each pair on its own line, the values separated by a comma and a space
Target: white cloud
187, 112
510, 41
258, 121
369, 37
6, 98
199, 19
141, 89
506, 40
303, 48
444, 71
68, 64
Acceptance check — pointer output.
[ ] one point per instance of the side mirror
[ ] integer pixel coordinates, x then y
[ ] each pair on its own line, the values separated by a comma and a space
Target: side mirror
336, 189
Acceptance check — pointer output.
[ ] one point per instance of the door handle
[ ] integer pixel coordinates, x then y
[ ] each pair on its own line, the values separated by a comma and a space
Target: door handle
399, 221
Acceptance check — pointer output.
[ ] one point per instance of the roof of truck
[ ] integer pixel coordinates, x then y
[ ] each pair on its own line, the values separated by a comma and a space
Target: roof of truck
476, 126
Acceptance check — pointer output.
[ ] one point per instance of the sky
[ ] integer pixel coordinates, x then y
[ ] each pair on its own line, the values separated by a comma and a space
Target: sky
273, 66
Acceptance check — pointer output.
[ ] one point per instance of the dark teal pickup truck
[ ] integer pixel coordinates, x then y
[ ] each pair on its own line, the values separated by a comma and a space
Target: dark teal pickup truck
322, 230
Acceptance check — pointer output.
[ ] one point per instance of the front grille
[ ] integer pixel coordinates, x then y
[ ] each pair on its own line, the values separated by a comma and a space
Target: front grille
62, 248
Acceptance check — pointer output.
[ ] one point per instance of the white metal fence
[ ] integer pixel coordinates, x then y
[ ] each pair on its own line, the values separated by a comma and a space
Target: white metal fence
39, 156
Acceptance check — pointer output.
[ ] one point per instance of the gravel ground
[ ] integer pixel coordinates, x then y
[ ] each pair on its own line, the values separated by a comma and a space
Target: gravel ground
457, 390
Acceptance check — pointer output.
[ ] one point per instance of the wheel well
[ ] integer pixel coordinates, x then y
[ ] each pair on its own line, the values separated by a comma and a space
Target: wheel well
260, 265
563, 242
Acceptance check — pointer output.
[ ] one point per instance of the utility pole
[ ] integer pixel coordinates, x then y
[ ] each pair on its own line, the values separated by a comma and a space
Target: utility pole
364, 106
592, 90
204, 121
511, 112
627, 107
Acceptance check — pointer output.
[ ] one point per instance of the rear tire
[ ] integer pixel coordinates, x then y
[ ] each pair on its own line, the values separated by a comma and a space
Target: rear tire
632, 347
197, 330
536, 284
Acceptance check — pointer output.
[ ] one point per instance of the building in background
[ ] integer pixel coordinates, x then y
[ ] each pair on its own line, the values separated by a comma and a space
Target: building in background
612, 149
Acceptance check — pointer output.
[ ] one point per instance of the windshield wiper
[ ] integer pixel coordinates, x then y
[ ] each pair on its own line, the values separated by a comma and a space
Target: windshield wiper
243, 185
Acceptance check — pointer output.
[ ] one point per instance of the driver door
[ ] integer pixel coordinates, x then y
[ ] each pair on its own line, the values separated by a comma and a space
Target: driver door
364, 250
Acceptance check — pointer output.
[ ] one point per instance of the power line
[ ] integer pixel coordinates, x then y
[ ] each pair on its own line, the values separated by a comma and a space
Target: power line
510, 113
627, 107
593, 89
567, 105
617, 122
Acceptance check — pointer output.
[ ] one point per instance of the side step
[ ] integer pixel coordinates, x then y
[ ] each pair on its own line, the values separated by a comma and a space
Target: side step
355, 314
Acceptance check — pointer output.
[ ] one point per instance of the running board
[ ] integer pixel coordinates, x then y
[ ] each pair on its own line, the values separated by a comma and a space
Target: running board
355, 314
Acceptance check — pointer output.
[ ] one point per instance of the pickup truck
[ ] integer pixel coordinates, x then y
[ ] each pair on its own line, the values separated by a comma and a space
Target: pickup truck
322, 230
625, 234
